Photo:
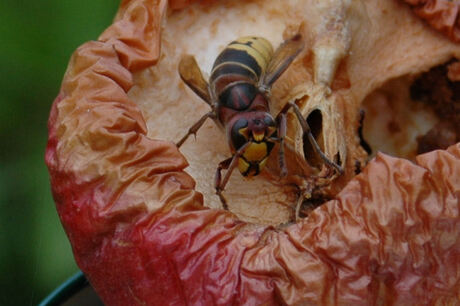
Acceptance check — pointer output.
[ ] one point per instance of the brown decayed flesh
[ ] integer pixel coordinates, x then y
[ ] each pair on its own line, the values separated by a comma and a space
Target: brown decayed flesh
439, 89
141, 233
442, 15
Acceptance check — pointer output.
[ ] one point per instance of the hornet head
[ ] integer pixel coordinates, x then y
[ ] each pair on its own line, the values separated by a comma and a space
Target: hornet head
256, 128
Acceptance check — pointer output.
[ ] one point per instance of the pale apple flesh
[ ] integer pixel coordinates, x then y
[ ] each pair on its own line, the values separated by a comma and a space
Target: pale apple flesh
359, 36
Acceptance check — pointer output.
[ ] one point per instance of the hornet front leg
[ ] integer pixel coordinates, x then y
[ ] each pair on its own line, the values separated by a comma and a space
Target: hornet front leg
229, 164
306, 130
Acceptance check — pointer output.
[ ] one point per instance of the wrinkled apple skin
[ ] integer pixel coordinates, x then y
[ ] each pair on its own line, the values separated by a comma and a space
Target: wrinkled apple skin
442, 15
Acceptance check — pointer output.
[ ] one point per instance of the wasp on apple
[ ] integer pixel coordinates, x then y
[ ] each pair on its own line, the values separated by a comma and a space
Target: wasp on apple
238, 93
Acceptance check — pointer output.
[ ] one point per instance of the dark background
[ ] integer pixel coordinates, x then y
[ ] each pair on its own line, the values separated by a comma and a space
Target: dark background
37, 39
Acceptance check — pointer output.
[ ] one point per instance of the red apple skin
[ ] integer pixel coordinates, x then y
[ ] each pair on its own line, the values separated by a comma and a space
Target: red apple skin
140, 232
442, 15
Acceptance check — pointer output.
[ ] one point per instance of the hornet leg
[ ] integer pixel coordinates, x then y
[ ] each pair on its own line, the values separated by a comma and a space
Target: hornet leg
306, 129
281, 119
196, 127
229, 164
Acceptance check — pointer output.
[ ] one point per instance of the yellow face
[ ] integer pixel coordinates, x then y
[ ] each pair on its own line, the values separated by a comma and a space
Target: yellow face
256, 132
254, 159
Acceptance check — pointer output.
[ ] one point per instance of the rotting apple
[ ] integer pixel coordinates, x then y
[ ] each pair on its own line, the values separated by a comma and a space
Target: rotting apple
139, 227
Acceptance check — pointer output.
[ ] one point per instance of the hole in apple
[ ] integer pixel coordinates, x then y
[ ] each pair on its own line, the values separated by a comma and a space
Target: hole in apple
315, 121
439, 88
410, 115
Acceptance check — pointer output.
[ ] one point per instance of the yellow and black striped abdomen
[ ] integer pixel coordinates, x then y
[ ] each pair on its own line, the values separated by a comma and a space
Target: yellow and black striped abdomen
244, 59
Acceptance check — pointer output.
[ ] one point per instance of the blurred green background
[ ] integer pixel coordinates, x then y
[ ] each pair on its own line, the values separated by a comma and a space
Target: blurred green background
37, 40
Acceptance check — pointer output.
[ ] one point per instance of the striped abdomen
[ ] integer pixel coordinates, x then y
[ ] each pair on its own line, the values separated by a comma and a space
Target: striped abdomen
242, 61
